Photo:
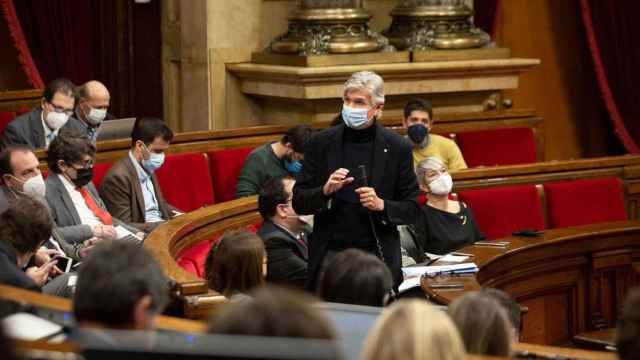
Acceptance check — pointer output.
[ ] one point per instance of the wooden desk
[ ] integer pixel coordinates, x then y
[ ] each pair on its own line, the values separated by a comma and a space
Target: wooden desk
27, 297
572, 280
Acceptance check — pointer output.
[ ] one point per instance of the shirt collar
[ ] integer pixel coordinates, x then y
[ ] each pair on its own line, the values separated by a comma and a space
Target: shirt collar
47, 130
142, 174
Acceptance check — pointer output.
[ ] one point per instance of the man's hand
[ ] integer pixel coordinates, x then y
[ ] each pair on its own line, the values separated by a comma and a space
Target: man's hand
369, 199
40, 275
87, 246
336, 181
43, 256
104, 232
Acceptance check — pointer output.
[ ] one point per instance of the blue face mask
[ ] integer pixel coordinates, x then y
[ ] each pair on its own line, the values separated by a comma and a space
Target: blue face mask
154, 162
293, 167
354, 118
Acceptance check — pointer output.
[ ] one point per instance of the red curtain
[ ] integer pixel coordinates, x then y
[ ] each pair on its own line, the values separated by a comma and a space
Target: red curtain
615, 50
24, 54
114, 41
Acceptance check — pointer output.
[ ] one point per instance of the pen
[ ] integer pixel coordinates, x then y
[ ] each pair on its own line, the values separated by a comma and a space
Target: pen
461, 254
447, 286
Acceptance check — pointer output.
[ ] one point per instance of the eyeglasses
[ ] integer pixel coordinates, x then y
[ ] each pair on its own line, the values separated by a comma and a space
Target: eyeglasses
86, 165
60, 109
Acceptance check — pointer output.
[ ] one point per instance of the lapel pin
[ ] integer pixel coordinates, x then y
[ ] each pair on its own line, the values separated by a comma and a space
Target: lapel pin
385, 150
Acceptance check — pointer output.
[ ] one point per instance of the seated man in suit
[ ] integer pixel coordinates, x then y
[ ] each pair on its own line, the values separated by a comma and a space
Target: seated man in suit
130, 189
285, 234
272, 160
40, 126
418, 120
120, 286
21, 176
75, 204
25, 225
91, 110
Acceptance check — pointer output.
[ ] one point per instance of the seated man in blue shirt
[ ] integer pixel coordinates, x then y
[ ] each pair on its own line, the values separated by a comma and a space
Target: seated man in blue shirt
130, 189
285, 234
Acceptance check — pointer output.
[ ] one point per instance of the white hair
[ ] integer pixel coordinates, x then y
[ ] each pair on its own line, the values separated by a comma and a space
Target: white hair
369, 81
430, 163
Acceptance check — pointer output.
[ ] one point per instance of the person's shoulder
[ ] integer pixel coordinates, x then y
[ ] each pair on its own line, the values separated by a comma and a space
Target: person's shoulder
442, 140
25, 119
119, 169
395, 139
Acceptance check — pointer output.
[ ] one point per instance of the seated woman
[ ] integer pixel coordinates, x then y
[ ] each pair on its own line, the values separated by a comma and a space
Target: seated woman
485, 332
413, 329
443, 225
236, 264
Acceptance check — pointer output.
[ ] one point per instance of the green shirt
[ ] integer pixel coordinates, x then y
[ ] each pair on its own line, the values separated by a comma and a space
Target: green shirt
261, 165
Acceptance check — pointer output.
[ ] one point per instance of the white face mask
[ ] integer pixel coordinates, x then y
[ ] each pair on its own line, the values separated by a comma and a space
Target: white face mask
56, 120
441, 185
35, 186
96, 116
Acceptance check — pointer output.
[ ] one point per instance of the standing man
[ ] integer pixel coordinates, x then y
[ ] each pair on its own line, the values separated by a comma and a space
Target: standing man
91, 110
130, 189
356, 210
40, 126
418, 121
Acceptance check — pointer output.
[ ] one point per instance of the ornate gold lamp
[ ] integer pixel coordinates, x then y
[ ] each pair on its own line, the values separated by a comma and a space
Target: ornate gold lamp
434, 24
318, 27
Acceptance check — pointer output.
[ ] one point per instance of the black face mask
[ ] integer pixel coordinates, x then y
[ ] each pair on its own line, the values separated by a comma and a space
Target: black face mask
417, 133
83, 177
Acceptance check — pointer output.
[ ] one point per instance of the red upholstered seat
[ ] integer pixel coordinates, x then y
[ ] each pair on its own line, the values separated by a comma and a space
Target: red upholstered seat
501, 211
193, 259
225, 169
5, 118
99, 171
498, 146
586, 201
185, 181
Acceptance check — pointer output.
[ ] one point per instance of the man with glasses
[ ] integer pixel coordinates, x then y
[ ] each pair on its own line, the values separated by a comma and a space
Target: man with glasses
285, 234
76, 207
40, 126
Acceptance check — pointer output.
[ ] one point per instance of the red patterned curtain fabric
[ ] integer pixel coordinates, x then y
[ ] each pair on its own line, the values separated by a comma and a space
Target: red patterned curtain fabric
24, 57
611, 29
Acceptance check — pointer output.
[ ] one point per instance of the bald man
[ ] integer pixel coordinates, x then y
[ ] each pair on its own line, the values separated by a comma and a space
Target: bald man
93, 103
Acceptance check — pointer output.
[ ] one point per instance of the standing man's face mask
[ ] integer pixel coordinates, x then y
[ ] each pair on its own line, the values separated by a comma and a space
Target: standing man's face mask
354, 118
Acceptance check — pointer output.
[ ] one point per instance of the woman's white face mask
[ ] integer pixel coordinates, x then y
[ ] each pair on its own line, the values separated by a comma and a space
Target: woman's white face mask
441, 185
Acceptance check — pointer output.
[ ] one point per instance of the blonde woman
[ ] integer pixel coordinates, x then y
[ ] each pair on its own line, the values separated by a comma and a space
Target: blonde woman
413, 329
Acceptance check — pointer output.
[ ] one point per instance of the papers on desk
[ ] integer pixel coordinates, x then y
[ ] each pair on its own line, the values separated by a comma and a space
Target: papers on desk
464, 268
25, 326
122, 233
409, 283
453, 258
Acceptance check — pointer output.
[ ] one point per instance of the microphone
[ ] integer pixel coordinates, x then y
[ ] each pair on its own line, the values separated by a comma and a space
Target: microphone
362, 175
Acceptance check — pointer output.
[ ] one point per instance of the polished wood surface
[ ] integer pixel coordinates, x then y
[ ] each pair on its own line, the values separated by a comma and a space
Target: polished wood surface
572, 280
27, 297
203, 141
17, 99
599, 339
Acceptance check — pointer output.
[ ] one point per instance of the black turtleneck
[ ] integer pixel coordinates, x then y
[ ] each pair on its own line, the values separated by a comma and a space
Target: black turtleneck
354, 229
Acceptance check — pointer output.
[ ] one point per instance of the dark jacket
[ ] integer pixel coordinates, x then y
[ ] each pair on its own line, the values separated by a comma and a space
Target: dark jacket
28, 129
286, 256
10, 273
121, 192
392, 177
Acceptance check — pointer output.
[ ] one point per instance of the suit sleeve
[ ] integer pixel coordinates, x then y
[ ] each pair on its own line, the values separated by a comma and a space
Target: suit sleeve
308, 197
284, 264
249, 179
403, 209
116, 198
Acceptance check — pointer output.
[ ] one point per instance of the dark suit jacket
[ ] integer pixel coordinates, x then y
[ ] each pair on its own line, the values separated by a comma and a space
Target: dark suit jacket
286, 256
121, 192
392, 177
66, 216
28, 129
10, 273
